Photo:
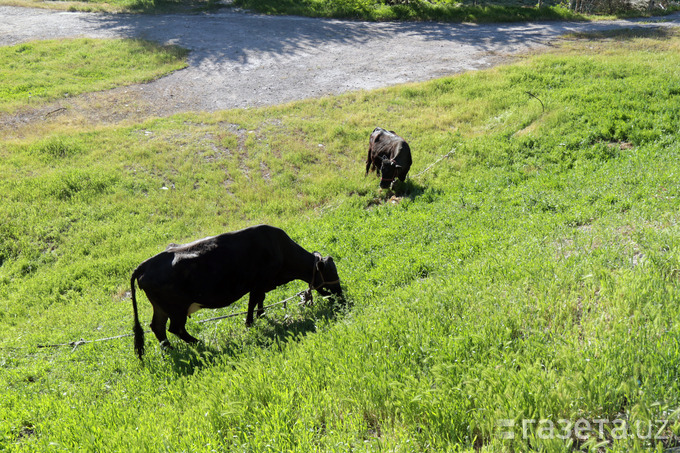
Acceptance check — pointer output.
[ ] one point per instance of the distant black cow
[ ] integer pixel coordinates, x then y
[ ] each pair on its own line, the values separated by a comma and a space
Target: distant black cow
389, 155
216, 271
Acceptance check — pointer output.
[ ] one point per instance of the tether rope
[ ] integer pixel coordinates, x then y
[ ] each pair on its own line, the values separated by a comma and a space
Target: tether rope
307, 298
82, 341
453, 150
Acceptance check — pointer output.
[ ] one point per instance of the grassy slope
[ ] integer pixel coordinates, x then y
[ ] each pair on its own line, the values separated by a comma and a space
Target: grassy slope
533, 274
37, 72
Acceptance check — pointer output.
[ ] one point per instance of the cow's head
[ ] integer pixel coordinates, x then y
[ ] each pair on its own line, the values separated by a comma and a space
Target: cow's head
326, 280
389, 170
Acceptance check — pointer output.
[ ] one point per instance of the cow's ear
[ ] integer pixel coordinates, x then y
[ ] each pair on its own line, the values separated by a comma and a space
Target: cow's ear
398, 166
318, 259
320, 265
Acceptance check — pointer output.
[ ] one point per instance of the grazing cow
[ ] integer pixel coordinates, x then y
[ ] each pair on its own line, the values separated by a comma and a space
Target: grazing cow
216, 271
389, 155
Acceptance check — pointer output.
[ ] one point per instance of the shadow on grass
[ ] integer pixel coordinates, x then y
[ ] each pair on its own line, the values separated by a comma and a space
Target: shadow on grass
292, 327
408, 190
268, 332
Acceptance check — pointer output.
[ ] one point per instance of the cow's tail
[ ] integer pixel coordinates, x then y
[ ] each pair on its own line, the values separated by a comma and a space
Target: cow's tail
137, 329
368, 162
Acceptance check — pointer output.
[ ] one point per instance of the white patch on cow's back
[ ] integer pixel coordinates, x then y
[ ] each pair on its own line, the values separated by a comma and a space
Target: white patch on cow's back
184, 256
193, 308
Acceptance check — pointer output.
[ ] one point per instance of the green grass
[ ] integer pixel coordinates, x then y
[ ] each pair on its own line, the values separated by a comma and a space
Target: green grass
533, 274
41, 71
372, 10
474, 11
413, 10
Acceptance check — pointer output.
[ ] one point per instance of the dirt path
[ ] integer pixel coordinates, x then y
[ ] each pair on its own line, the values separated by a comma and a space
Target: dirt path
245, 60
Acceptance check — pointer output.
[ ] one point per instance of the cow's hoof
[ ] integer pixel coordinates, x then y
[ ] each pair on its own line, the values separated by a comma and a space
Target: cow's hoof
166, 346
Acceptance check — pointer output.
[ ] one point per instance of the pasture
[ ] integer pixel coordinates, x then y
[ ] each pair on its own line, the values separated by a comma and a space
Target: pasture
529, 280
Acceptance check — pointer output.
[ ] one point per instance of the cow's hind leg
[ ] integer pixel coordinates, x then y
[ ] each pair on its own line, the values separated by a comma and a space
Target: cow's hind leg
256, 299
158, 323
177, 326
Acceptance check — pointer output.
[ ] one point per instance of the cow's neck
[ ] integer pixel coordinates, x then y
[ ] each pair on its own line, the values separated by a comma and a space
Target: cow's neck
300, 265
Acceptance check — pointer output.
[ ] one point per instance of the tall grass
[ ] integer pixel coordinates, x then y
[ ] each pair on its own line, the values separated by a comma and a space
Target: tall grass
532, 275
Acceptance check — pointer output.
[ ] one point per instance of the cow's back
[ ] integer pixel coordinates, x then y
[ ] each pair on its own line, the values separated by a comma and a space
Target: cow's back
386, 143
215, 268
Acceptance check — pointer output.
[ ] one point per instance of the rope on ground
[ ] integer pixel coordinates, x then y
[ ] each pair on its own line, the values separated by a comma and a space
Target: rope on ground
231, 315
306, 298
536, 97
453, 150
77, 343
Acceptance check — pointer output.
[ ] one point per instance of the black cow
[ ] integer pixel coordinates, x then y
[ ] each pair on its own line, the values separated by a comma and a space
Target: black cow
389, 155
216, 271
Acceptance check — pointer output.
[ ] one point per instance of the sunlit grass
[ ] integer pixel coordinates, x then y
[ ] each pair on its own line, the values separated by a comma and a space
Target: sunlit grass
533, 274
41, 71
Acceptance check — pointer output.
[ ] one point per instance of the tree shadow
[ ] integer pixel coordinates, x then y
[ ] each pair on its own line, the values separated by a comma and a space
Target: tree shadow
239, 60
240, 40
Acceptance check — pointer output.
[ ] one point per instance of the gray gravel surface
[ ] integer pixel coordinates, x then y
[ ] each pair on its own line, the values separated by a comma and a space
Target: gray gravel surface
239, 59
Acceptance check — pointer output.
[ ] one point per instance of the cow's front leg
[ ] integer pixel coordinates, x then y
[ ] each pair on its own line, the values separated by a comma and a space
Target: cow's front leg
256, 298
177, 326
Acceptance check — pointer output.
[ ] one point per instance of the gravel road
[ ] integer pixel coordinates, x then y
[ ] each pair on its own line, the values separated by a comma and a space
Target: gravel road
239, 59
